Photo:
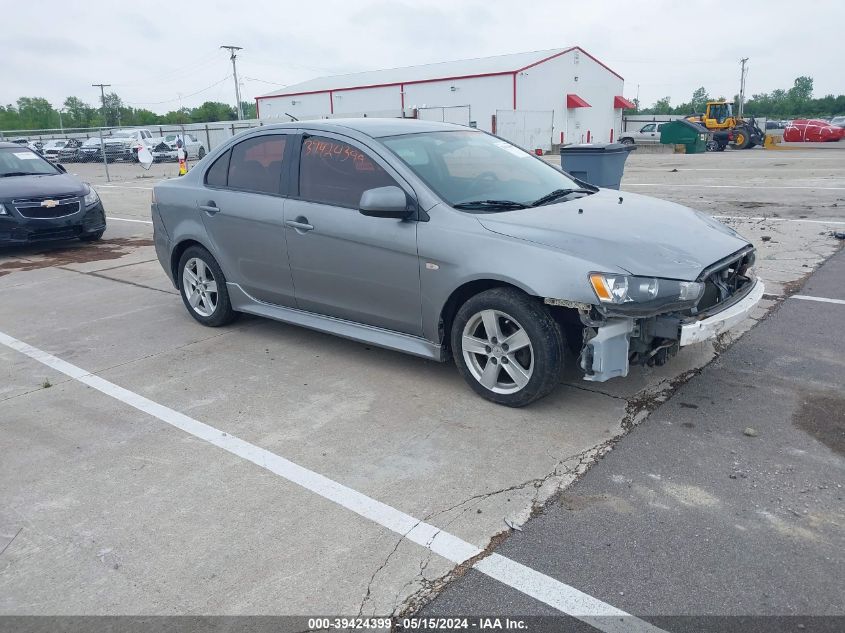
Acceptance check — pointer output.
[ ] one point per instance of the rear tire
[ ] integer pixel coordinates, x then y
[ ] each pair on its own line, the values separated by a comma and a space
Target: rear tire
201, 152
203, 288
520, 358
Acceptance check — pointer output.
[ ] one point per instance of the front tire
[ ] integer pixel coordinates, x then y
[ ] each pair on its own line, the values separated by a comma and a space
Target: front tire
626, 141
203, 288
507, 347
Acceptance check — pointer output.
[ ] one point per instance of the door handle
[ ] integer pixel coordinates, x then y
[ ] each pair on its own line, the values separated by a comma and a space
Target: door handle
210, 207
300, 225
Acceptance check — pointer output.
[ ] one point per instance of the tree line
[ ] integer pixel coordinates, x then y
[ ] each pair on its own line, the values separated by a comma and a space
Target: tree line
36, 113
795, 103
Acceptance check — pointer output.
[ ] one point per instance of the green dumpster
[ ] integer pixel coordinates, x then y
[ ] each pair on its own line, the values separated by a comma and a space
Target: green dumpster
681, 132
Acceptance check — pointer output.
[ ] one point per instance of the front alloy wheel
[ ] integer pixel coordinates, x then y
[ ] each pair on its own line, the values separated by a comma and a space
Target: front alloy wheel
497, 351
507, 346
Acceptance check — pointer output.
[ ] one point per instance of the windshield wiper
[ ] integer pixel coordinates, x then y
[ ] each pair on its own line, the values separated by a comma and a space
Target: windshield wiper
20, 173
557, 194
490, 204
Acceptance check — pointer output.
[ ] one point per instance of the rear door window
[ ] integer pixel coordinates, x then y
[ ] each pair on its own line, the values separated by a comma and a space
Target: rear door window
337, 173
256, 164
217, 173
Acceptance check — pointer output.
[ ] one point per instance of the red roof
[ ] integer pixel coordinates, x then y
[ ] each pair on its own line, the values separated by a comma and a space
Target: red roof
622, 102
574, 101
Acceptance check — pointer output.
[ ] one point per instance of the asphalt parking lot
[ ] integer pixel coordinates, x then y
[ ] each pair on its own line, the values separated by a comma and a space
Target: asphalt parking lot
146, 468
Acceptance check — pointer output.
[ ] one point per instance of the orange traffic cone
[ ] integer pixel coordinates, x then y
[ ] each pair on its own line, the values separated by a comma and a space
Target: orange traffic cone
183, 164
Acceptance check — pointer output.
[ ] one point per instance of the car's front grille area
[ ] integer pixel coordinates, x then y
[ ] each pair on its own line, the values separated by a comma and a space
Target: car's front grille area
64, 233
46, 208
725, 279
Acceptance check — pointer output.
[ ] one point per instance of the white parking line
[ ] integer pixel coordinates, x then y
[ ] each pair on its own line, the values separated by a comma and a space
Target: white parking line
761, 217
767, 187
109, 186
544, 588
821, 299
110, 217
635, 168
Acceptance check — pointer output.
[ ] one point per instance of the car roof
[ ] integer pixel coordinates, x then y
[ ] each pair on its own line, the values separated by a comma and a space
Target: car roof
373, 127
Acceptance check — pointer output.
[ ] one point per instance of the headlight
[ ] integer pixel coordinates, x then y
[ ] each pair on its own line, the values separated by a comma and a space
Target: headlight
3, 210
644, 294
91, 198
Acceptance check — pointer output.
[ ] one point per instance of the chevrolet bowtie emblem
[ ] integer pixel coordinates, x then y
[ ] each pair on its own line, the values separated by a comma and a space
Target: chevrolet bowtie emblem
49, 203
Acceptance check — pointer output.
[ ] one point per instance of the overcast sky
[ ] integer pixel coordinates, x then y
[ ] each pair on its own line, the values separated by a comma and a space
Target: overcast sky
152, 51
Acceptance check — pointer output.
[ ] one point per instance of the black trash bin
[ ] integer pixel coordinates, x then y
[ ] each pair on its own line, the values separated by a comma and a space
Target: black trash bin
600, 164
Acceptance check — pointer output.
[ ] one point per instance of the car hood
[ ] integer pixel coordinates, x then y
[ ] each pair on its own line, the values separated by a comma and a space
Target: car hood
641, 235
40, 186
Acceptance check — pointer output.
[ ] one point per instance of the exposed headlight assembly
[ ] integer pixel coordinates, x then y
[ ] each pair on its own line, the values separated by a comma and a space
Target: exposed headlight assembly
628, 294
91, 198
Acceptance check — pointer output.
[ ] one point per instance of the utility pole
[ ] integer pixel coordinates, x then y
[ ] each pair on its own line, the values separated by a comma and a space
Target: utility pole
233, 56
102, 88
742, 85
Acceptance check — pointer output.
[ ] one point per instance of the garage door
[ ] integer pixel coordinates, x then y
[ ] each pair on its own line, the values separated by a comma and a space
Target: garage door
447, 114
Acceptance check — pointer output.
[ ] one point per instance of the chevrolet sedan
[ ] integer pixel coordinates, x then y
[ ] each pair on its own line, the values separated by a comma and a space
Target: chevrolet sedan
447, 243
40, 201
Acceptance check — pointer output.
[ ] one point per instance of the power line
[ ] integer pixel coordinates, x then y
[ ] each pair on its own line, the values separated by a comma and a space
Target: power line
192, 94
177, 74
263, 81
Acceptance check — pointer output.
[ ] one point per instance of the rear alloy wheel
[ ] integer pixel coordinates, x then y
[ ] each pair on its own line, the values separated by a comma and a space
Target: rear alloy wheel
203, 288
507, 347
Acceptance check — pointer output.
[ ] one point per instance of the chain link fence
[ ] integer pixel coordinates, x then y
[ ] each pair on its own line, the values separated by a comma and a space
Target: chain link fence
102, 148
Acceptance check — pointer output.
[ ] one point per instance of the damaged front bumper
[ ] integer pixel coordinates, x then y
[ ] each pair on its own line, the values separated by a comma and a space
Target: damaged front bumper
723, 320
612, 344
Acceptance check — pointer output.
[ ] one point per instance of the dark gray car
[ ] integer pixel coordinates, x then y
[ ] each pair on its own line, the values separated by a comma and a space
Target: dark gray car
446, 242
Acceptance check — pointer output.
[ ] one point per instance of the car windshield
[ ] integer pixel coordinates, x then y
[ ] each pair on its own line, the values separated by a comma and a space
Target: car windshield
91, 142
122, 135
23, 162
479, 171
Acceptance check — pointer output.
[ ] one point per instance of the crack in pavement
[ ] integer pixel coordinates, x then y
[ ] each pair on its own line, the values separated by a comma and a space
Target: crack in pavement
601, 393
95, 273
638, 408
428, 587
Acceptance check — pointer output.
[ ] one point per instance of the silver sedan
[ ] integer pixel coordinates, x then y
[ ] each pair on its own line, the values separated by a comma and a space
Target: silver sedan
447, 243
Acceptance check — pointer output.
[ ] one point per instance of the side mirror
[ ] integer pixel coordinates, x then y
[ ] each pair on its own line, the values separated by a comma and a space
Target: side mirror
61, 168
384, 202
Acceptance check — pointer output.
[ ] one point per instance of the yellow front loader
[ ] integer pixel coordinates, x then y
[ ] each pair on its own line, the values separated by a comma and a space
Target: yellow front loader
727, 128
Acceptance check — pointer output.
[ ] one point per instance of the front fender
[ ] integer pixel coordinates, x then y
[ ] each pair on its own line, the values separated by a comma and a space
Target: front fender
456, 250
